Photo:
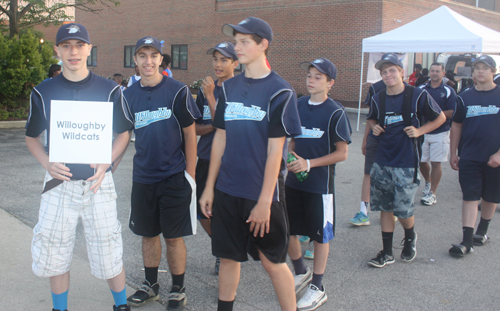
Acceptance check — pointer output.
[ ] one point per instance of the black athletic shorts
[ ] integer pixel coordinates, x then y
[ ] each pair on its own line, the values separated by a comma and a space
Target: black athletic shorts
163, 207
201, 180
371, 149
308, 212
231, 236
478, 180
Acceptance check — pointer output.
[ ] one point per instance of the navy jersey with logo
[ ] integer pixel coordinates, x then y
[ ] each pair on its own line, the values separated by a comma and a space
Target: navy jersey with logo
252, 111
496, 79
446, 98
323, 125
159, 113
395, 148
478, 111
205, 142
92, 88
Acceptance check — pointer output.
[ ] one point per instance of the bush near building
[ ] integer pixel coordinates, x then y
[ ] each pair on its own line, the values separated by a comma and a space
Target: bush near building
24, 63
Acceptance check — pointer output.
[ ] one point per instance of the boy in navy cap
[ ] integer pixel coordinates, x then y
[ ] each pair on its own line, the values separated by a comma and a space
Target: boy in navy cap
311, 202
224, 61
255, 113
163, 189
475, 128
72, 191
396, 115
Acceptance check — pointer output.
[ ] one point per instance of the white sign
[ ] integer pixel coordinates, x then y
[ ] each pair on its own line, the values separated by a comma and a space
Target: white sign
81, 132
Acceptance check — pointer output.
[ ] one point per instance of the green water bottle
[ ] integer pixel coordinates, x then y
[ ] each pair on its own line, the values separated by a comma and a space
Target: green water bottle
301, 176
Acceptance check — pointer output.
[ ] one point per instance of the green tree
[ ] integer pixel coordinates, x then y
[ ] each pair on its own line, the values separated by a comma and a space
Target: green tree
24, 63
19, 14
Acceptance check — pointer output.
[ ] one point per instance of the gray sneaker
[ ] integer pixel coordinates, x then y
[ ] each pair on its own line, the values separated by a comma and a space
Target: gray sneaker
429, 199
146, 292
176, 299
381, 260
409, 251
302, 280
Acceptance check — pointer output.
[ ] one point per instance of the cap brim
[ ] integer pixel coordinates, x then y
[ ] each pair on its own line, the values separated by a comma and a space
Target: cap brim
144, 45
212, 50
227, 29
73, 38
481, 61
305, 66
384, 61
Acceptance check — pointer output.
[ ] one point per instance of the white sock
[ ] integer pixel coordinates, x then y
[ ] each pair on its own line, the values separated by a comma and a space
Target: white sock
363, 206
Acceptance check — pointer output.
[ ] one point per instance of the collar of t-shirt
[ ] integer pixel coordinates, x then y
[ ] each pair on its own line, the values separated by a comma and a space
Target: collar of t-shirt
313, 103
75, 83
258, 80
152, 87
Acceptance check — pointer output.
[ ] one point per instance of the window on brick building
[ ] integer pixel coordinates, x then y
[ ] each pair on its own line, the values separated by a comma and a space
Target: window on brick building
179, 56
240, 67
486, 4
128, 56
92, 59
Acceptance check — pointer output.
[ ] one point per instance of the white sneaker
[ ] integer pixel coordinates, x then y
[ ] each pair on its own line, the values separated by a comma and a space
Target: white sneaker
312, 299
427, 188
301, 280
429, 199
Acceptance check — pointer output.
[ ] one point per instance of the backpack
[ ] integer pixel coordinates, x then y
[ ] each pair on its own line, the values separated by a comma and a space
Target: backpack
406, 113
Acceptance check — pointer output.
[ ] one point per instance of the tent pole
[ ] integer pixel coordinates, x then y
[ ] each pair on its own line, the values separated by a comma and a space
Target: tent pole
360, 87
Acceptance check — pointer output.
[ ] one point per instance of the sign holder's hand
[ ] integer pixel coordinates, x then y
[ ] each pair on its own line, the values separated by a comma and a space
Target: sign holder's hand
100, 171
58, 171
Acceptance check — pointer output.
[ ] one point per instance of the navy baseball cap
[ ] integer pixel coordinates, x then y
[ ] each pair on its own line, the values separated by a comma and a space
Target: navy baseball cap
72, 31
226, 49
148, 41
323, 65
250, 25
487, 60
390, 58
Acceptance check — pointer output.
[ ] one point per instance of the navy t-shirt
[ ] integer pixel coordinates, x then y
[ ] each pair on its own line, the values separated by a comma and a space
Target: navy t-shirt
205, 142
395, 148
159, 113
323, 125
478, 113
252, 111
374, 89
92, 88
446, 98
496, 79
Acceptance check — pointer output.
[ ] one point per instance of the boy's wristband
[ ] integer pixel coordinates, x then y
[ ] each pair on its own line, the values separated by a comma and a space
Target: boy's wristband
308, 165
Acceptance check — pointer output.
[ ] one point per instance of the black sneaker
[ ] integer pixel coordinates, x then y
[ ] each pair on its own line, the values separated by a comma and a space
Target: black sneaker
410, 249
176, 298
121, 308
146, 292
479, 240
217, 265
381, 260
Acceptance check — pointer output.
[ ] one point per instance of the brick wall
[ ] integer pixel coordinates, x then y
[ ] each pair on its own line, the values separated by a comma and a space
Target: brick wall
303, 31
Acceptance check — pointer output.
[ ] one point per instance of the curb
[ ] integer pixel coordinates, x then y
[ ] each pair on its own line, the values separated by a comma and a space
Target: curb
12, 124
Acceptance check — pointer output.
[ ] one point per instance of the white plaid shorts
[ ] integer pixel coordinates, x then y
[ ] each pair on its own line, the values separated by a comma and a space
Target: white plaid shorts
54, 234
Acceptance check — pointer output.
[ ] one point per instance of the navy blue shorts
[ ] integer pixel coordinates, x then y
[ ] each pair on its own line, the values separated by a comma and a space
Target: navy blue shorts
478, 180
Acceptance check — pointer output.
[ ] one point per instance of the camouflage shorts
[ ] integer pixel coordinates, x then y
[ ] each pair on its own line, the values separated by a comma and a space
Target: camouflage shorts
393, 190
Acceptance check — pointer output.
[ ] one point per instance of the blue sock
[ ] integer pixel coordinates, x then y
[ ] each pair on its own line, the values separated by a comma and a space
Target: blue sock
120, 297
60, 301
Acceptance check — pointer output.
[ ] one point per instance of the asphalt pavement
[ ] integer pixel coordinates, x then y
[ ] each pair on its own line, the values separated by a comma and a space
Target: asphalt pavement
433, 281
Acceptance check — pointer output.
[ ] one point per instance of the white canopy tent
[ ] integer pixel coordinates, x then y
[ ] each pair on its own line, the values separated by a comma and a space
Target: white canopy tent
442, 30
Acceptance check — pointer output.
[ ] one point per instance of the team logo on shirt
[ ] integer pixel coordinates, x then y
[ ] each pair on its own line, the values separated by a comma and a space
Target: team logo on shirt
476, 111
206, 113
394, 118
311, 133
145, 118
73, 29
237, 111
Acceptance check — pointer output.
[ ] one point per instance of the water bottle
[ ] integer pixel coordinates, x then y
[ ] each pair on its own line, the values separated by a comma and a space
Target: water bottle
301, 176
